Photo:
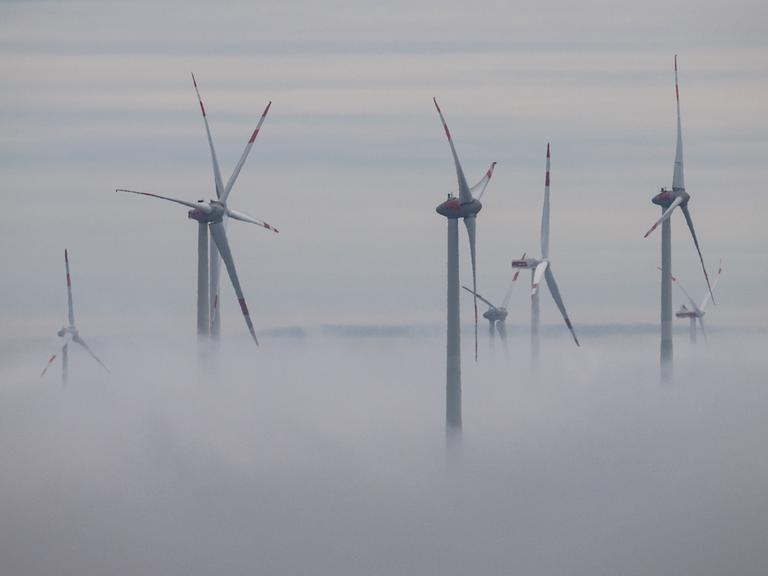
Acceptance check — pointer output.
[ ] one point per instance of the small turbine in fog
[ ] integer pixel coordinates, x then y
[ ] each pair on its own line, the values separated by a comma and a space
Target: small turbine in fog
465, 206
696, 312
69, 333
539, 268
669, 200
212, 215
497, 315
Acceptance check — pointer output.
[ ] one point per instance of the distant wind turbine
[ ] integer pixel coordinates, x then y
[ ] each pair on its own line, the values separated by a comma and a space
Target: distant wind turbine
497, 315
696, 312
465, 206
669, 200
69, 333
543, 267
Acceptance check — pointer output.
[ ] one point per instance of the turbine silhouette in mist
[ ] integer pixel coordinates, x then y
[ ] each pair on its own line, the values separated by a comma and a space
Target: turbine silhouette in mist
69, 333
696, 312
497, 315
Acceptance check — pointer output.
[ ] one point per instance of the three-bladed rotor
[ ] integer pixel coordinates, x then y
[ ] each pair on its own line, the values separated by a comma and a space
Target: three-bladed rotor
215, 213
466, 206
542, 267
69, 333
696, 311
677, 196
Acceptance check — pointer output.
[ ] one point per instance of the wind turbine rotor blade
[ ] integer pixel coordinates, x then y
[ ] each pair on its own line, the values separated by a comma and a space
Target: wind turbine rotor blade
220, 237
684, 291
243, 217
470, 222
62, 343
241, 162
501, 328
479, 297
678, 178
689, 221
196, 205
478, 189
508, 294
545, 214
216, 170
666, 214
78, 340
553, 289
464, 193
701, 324
537, 274
70, 307
705, 301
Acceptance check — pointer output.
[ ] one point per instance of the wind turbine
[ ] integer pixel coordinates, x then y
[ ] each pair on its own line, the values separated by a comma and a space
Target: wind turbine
543, 267
212, 215
210, 299
465, 206
696, 311
669, 200
497, 315
69, 333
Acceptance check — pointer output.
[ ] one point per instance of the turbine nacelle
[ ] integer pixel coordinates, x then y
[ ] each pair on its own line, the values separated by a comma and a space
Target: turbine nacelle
525, 263
207, 211
665, 197
684, 312
495, 314
453, 207
66, 330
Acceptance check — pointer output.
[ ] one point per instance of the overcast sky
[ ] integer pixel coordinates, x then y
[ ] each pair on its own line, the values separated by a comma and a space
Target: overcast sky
352, 160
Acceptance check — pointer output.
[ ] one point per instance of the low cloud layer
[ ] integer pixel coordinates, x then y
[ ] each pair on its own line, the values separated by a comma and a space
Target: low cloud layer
327, 455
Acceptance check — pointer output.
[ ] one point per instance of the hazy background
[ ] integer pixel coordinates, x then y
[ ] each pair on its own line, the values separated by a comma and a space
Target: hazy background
352, 160
323, 451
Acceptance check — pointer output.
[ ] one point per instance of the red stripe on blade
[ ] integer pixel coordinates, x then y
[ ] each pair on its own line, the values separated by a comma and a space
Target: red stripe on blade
243, 306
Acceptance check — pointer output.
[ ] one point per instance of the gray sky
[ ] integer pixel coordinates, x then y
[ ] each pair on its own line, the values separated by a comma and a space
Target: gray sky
352, 161
326, 455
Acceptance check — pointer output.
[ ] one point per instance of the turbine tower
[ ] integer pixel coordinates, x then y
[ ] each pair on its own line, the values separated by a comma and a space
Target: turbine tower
543, 267
696, 312
669, 200
465, 206
497, 315
69, 333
